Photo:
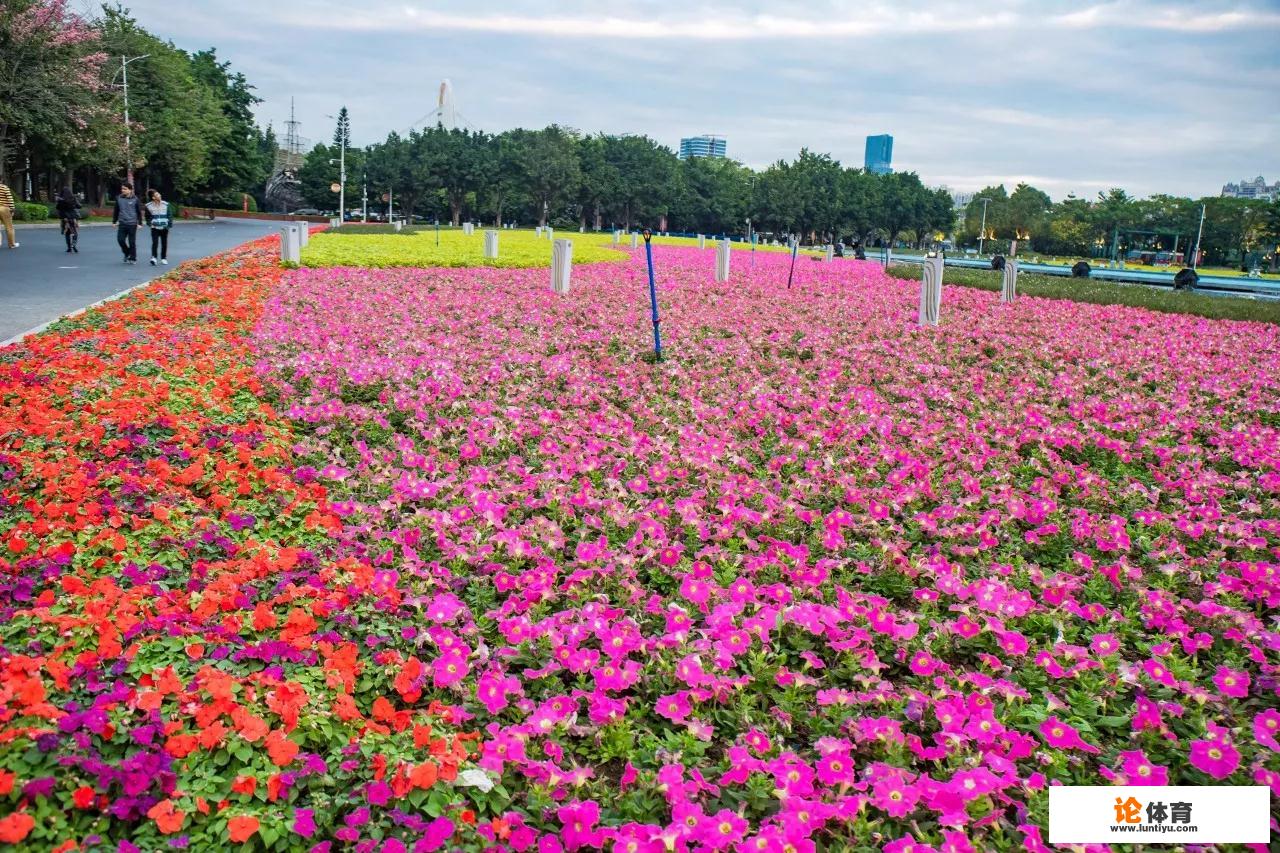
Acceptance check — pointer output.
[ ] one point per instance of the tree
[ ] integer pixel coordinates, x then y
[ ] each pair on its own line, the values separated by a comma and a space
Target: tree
549, 168
646, 182
317, 177
51, 82
454, 161
1026, 213
904, 204
238, 162
977, 215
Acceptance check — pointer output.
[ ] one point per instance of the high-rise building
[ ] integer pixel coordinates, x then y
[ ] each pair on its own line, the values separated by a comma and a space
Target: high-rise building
702, 146
879, 156
1257, 188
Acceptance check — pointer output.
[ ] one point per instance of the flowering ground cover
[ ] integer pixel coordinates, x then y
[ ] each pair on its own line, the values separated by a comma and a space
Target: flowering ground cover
419, 249
438, 559
357, 247
173, 670
821, 579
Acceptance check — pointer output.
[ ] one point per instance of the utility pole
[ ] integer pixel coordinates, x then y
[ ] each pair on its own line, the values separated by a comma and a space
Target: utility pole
364, 184
982, 229
128, 152
1195, 257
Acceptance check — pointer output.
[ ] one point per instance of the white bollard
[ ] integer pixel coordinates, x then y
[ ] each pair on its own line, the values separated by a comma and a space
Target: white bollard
702, 241
722, 260
398, 225
888, 257
304, 234
537, 230
1009, 281
635, 240
931, 291
582, 229
468, 228
831, 253
491, 244
561, 264
617, 238
290, 248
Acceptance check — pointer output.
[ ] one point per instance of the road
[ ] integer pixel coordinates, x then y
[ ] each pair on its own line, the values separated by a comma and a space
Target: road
40, 282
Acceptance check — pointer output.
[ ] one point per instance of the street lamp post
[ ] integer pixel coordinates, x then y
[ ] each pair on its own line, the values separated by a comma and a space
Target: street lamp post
1195, 257
128, 152
982, 229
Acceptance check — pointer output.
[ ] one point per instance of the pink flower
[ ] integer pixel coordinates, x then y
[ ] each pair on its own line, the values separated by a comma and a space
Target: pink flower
1138, 770
835, 769
1232, 682
1103, 645
894, 796
1219, 759
722, 829
675, 706
579, 820
1062, 736
1266, 727
922, 663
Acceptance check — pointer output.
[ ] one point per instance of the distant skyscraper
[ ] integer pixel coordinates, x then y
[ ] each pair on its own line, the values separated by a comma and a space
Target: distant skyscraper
879, 157
702, 146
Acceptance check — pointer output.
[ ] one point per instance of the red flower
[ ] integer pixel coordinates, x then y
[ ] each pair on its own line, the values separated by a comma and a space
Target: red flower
168, 819
15, 827
281, 750
241, 828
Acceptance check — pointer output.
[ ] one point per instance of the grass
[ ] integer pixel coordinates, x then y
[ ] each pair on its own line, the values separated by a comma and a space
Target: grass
370, 246
1111, 293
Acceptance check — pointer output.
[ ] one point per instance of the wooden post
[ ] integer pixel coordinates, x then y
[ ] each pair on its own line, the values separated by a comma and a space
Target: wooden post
722, 261
561, 265
931, 291
290, 247
1009, 281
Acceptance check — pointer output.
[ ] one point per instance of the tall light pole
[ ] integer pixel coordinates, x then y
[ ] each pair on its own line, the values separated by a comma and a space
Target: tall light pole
982, 229
1195, 258
128, 152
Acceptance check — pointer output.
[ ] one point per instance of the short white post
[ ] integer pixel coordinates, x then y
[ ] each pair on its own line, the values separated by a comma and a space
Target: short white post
304, 234
468, 228
722, 260
1009, 282
931, 291
561, 264
582, 229
831, 253
551, 233
491, 244
617, 237
290, 248
398, 225
537, 230
635, 240
702, 241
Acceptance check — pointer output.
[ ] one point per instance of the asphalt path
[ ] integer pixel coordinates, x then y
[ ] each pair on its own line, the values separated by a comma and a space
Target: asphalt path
40, 282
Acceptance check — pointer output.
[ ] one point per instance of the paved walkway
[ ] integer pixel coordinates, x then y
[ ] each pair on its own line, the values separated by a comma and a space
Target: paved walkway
40, 282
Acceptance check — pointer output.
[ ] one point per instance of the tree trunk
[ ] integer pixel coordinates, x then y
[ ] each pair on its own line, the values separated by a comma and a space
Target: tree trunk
455, 211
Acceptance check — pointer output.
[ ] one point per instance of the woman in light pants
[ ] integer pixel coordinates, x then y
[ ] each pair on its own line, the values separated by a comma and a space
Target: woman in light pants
158, 219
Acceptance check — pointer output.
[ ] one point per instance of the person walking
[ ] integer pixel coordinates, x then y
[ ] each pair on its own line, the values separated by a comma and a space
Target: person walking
6, 215
159, 220
126, 216
69, 214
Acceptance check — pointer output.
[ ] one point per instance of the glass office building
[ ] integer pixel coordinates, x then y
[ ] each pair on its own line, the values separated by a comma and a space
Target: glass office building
879, 156
702, 146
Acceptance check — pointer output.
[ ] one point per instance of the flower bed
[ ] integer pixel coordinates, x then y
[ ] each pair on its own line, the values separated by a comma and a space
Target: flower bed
418, 249
821, 577
177, 667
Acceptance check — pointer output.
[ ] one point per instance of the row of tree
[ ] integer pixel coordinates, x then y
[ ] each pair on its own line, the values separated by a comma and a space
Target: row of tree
191, 130
1235, 230
560, 176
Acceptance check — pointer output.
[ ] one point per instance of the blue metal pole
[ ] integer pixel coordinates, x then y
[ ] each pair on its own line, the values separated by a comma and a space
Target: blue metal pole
795, 247
653, 296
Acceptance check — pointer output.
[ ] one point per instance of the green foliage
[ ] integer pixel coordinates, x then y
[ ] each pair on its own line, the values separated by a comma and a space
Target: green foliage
30, 212
1101, 292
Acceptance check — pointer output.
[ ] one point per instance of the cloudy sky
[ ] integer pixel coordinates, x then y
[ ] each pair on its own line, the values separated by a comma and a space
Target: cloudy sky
1174, 97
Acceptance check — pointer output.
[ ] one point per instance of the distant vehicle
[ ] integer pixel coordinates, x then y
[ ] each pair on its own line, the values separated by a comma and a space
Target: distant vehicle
305, 211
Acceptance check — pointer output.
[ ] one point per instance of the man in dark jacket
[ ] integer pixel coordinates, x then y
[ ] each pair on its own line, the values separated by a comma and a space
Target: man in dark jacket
126, 216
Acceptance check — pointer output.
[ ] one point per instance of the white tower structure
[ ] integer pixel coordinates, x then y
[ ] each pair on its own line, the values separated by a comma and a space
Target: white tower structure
445, 111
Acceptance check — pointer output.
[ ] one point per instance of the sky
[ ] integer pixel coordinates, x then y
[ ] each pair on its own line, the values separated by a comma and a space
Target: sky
1072, 97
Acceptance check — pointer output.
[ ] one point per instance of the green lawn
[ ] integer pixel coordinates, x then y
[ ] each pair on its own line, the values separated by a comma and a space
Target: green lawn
1110, 293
